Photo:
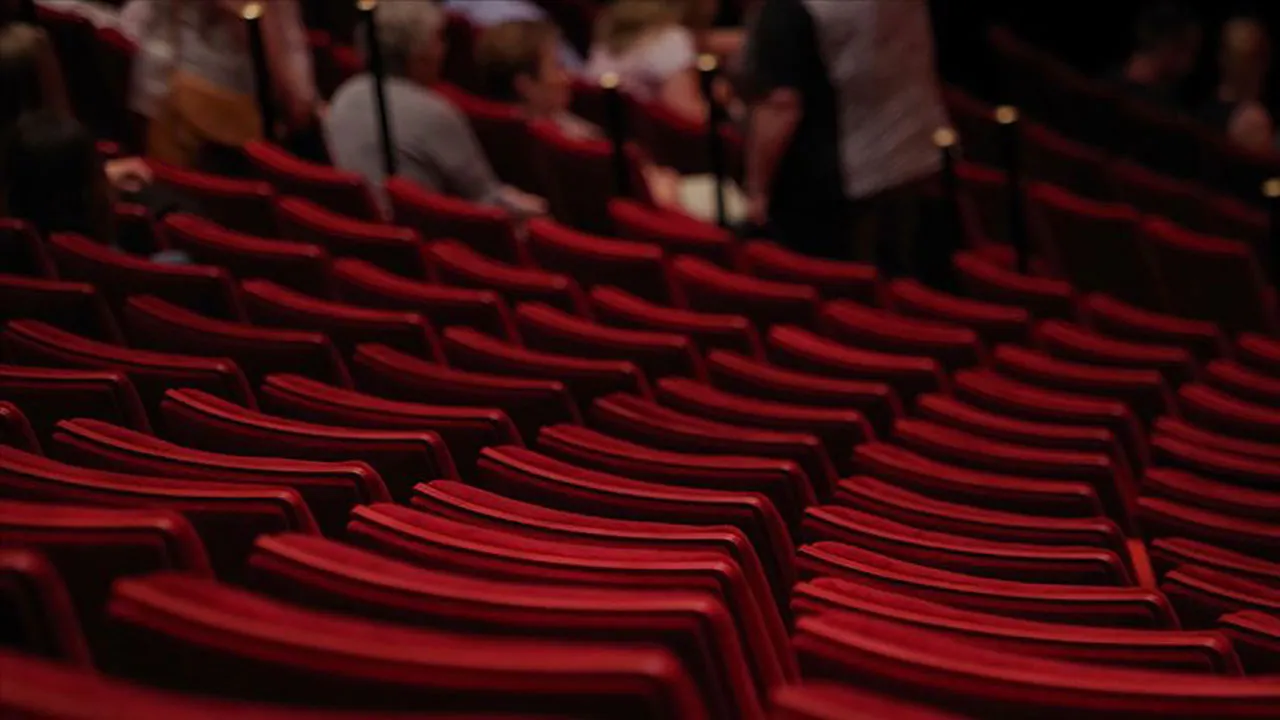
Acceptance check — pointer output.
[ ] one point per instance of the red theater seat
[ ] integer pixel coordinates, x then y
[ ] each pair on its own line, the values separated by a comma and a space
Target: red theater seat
1244, 382
302, 266
22, 252
675, 232
1079, 344
485, 230
453, 263
39, 617
909, 375
1202, 595
710, 288
951, 345
993, 322
984, 280
1144, 391
832, 278
709, 330
72, 306
395, 249
658, 353
344, 192
47, 395
1256, 637
16, 430
245, 206
636, 267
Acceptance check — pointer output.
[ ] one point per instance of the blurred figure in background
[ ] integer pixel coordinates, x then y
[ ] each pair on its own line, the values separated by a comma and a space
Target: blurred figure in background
210, 102
30, 77
844, 99
491, 13
1167, 38
1236, 107
434, 145
652, 45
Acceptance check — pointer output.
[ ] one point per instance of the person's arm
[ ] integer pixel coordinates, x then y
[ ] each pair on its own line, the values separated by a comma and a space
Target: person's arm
672, 57
776, 71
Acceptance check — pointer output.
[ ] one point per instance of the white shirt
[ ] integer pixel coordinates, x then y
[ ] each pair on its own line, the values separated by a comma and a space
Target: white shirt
647, 65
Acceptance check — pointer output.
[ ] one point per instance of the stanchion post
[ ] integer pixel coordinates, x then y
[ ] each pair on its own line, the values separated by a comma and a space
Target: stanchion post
707, 69
615, 116
946, 139
1008, 118
252, 15
1271, 191
373, 45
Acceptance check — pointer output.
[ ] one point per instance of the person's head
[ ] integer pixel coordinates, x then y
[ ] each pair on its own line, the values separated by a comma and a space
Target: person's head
54, 176
1168, 34
625, 21
1245, 57
30, 78
519, 62
411, 36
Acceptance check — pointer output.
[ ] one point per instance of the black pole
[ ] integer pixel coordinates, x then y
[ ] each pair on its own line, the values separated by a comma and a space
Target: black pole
616, 117
252, 15
1008, 117
367, 8
707, 67
945, 139
1271, 190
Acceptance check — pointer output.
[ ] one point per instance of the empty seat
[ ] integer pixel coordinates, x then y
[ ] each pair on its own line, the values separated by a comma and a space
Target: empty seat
465, 430
648, 423
1144, 391
1197, 435
1114, 485
47, 395
245, 206
839, 430
709, 330
453, 263
985, 558
301, 266
344, 662
984, 280
345, 192
1214, 463
38, 616
330, 489
1171, 553
832, 278
526, 475
1072, 342
152, 373
401, 457
975, 679
865, 327
361, 283
1205, 652
782, 481
258, 351
1228, 414
1211, 494
998, 393
1117, 318
675, 232
1242, 381
1010, 493
72, 306
908, 507
744, 375
207, 290
1202, 595
227, 516
531, 403
1259, 352
1256, 637
1119, 607
636, 267
16, 430
22, 252
694, 626
347, 325
487, 230
909, 375
659, 354
586, 379
395, 249
993, 322
576, 176
1162, 517
710, 288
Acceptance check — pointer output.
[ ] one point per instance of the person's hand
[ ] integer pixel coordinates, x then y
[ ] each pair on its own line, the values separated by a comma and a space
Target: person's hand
523, 203
128, 174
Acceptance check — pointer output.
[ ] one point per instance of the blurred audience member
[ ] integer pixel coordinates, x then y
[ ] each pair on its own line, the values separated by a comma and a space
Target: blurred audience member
434, 145
30, 77
1236, 108
489, 13
210, 103
844, 101
652, 45
1167, 42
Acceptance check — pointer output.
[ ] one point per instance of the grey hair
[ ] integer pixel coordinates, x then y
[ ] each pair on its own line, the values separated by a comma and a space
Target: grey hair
404, 30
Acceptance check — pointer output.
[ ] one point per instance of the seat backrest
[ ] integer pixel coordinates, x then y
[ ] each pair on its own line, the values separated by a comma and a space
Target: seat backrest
246, 206
710, 330
636, 267
487, 230
299, 265
659, 354
709, 288
73, 306
453, 263
345, 192
39, 618
675, 232
391, 247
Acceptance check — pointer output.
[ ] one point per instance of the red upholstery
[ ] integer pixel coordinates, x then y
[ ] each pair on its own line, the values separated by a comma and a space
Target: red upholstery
341, 191
302, 266
72, 306
244, 206
396, 249
487, 230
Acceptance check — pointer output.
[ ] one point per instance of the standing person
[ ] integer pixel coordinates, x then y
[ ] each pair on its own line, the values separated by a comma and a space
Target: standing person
434, 145
844, 99
1167, 41
1236, 109
210, 102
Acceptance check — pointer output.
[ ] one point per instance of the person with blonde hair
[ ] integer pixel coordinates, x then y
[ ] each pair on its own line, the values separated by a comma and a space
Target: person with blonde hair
1236, 108
652, 46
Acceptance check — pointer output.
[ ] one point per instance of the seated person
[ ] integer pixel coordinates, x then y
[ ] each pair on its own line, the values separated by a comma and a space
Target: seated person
652, 45
1236, 108
433, 143
488, 13
1167, 43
